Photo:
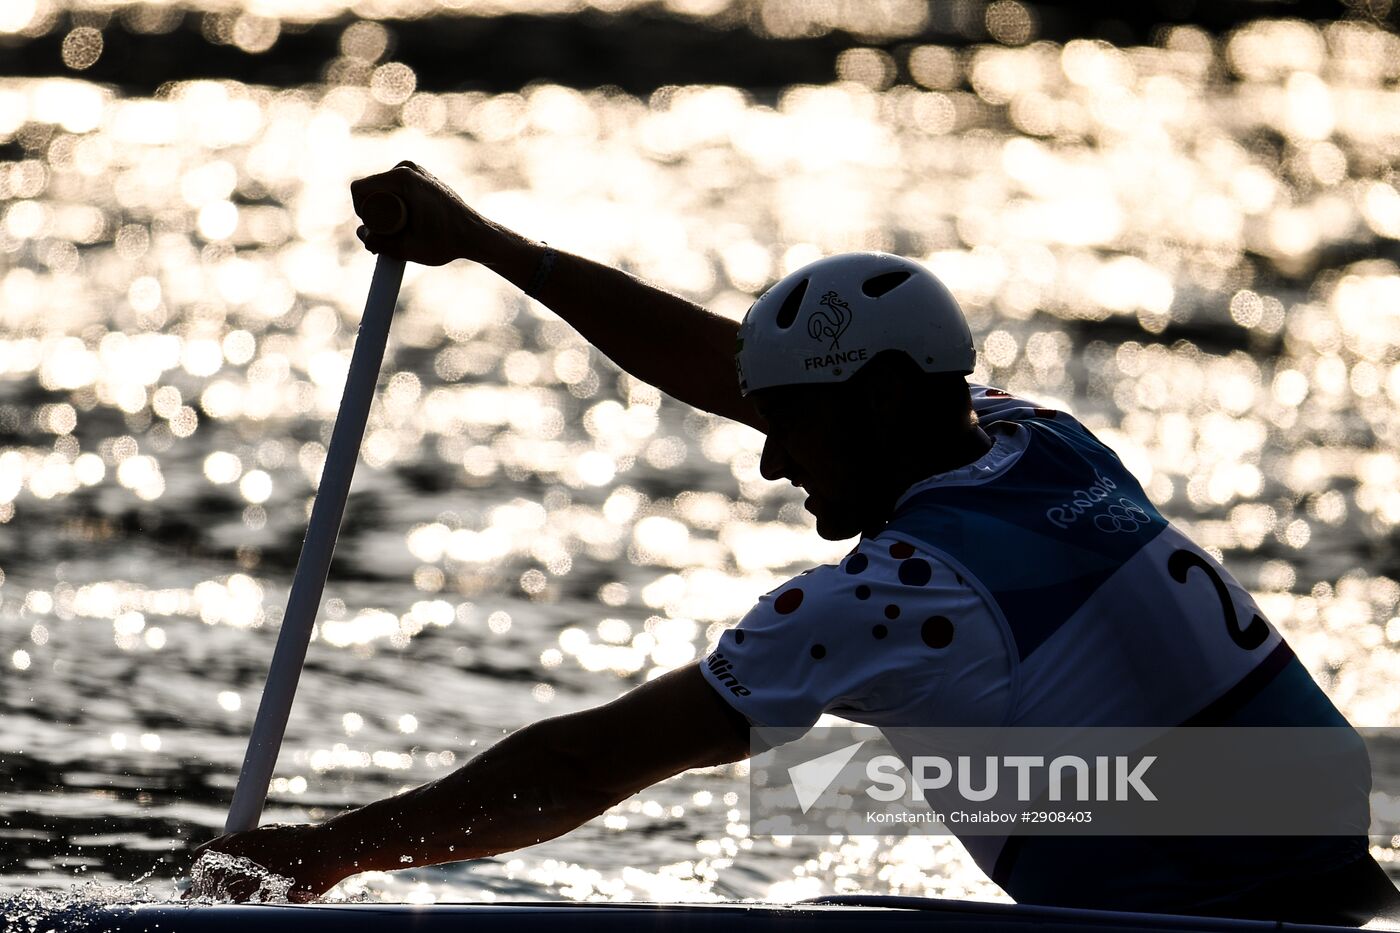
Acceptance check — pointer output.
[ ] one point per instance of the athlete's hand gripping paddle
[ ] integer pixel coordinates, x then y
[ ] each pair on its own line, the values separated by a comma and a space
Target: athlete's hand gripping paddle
383, 213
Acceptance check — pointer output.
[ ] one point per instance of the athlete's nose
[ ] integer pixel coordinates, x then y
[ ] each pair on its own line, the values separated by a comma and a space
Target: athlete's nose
774, 462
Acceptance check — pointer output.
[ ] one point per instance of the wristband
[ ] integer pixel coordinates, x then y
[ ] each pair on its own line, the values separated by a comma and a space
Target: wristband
542, 271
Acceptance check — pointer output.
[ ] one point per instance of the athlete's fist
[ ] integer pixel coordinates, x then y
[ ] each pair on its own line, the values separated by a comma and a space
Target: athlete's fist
256, 864
439, 227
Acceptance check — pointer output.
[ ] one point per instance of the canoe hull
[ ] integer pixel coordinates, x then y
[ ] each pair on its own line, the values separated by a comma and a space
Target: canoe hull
866, 916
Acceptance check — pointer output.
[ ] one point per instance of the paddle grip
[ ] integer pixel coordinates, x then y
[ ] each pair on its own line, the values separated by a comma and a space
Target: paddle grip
384, 213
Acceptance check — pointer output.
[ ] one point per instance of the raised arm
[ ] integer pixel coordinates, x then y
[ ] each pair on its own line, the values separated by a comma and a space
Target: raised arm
537, 783
658, 337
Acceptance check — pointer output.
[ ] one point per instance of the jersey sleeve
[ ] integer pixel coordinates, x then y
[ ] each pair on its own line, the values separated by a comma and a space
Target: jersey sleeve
870, 639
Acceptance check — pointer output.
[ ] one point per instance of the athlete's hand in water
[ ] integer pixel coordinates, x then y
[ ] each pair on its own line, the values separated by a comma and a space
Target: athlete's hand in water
293, 851
440, 228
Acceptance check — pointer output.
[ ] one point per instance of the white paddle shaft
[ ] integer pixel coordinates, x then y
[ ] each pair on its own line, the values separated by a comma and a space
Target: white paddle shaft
316, 550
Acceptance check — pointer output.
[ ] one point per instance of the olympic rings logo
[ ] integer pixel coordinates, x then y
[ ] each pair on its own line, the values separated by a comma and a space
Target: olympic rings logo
1125, 515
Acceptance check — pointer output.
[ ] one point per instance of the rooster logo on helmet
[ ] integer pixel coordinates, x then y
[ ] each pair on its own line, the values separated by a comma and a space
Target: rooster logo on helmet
823, 325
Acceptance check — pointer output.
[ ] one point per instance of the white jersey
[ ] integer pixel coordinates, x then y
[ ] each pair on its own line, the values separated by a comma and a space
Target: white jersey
1037, 586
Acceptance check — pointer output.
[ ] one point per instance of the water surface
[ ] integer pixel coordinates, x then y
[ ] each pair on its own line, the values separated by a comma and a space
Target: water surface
1191, 246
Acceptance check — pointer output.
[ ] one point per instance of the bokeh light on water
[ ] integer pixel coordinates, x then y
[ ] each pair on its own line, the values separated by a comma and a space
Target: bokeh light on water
1190, 245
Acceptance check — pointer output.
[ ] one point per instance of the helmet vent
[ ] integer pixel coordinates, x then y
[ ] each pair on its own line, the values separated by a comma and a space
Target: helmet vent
791, 304
884, 283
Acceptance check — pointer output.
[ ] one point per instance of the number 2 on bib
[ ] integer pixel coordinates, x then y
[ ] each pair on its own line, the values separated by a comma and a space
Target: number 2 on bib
1252, 635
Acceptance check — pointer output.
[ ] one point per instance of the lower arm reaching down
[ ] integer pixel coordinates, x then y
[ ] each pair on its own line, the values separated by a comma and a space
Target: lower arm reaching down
535, 784
528, 788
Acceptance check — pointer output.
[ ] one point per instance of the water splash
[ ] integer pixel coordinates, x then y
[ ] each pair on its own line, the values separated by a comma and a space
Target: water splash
39, 911
215, 873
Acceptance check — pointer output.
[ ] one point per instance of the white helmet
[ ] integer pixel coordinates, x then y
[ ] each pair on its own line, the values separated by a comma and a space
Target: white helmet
827, 319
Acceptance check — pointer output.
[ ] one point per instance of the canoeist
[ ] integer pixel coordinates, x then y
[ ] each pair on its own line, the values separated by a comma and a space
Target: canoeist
966, 602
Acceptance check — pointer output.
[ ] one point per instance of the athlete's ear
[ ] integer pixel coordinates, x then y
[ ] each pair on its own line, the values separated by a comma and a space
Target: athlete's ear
890, 388
860, 403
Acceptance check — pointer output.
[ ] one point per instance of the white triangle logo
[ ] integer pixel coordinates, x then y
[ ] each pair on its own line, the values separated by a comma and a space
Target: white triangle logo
811, 778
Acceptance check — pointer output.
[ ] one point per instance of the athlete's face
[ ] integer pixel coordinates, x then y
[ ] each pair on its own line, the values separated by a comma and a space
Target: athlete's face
820, 442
